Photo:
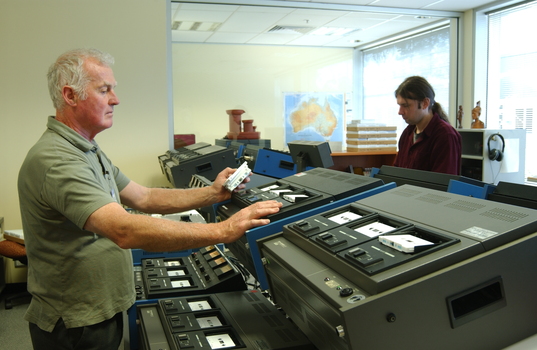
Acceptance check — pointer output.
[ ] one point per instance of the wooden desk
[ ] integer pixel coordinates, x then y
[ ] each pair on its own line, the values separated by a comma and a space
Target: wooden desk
342, 160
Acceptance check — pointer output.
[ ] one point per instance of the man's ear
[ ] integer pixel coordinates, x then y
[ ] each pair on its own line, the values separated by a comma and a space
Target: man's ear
69, 95
425, 103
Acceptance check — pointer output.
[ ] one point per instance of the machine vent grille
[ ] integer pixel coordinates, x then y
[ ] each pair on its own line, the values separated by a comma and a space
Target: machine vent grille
286, 335
261, 308
273, 321
465, 206
504, 215
251, 297
406, 192
341, 177
433, 198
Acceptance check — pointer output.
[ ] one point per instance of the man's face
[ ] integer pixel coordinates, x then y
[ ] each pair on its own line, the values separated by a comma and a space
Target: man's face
95, 113
410, 111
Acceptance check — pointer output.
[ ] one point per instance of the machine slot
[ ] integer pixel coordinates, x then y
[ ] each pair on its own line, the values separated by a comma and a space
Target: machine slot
287, 165
476, 302
204, 167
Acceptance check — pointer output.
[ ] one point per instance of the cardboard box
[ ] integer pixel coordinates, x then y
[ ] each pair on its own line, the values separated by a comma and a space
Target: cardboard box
370, 128
385, 142
370, 134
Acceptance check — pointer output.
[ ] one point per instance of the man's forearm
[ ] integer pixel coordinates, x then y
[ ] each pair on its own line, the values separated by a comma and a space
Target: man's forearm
165, 201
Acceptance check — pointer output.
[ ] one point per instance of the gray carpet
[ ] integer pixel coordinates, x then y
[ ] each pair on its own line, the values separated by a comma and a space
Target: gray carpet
13, 328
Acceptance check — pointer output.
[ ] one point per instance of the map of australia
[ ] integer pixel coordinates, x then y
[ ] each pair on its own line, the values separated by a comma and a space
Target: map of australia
314, 116
310, 114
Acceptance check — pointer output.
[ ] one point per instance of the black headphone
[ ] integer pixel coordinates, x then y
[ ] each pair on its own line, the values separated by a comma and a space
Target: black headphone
496, 154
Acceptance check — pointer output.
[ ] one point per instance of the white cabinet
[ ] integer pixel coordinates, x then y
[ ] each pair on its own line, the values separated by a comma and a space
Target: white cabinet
494, 155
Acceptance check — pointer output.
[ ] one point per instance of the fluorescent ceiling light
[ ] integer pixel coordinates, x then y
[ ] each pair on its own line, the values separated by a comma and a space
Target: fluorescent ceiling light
195, 26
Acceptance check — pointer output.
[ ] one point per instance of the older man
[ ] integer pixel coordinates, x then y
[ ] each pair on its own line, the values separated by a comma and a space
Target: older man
77, 232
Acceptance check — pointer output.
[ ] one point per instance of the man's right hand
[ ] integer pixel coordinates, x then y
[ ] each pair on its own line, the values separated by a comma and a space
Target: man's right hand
247, 218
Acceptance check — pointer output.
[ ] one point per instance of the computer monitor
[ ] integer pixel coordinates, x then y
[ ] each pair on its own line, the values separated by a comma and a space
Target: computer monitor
421, 178
313, 154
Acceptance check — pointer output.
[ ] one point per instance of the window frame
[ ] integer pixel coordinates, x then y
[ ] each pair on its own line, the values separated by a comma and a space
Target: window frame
480, 62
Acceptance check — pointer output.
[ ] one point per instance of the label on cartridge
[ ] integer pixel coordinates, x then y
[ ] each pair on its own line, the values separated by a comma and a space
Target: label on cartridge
220, 341
345, 217
199, 305
181, 284
375, 229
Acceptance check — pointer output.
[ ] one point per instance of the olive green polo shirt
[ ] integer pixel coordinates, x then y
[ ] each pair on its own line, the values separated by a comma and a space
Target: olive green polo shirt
73, 274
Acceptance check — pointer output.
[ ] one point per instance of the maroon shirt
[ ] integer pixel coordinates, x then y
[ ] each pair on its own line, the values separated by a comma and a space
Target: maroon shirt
437, 149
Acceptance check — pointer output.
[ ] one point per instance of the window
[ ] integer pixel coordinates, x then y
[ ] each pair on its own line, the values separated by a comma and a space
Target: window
385, 67
512, 73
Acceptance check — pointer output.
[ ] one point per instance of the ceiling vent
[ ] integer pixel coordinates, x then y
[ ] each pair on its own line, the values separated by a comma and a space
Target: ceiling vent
290, 30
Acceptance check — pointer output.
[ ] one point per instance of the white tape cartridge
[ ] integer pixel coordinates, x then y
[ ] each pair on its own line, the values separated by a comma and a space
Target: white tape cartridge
237, 177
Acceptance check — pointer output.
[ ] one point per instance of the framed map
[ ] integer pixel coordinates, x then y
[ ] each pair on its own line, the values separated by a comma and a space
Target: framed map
315, 117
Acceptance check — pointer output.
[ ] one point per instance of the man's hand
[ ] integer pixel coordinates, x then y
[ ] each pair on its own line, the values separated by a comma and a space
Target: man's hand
218, 185
247, 218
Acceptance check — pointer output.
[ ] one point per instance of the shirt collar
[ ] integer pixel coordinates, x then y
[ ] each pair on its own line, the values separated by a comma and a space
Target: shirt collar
434, 120
71, 136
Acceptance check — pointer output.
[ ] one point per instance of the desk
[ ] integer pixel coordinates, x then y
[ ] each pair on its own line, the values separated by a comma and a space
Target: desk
342, 160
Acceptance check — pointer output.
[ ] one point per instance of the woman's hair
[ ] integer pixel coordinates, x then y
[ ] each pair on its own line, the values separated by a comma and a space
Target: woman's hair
417, 88
68, 70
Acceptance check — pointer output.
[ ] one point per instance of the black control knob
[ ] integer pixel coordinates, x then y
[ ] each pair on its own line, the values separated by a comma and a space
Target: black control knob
345, 292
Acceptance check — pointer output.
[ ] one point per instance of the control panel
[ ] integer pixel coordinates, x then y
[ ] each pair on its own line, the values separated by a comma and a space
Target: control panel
206, 271
232, 320
293, 198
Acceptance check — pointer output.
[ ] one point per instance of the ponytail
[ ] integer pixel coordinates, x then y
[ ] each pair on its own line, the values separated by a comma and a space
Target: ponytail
418, 88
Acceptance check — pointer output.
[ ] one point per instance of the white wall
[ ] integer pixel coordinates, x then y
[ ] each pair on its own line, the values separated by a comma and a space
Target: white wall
210, 79
34, 32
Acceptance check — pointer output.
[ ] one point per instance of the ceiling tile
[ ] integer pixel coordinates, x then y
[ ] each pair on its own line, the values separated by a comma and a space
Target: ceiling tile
202, 16
273, 39
238, 38
250, 22
189, 36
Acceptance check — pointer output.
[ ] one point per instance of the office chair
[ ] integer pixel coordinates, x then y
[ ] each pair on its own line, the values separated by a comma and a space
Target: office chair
15, 251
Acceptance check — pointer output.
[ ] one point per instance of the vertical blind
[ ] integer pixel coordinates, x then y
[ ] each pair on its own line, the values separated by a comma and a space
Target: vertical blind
385, 67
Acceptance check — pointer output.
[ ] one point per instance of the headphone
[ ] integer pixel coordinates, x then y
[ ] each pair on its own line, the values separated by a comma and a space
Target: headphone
496, 154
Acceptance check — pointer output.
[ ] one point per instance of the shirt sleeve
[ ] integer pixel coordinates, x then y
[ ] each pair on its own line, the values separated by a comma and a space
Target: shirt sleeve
75, 189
